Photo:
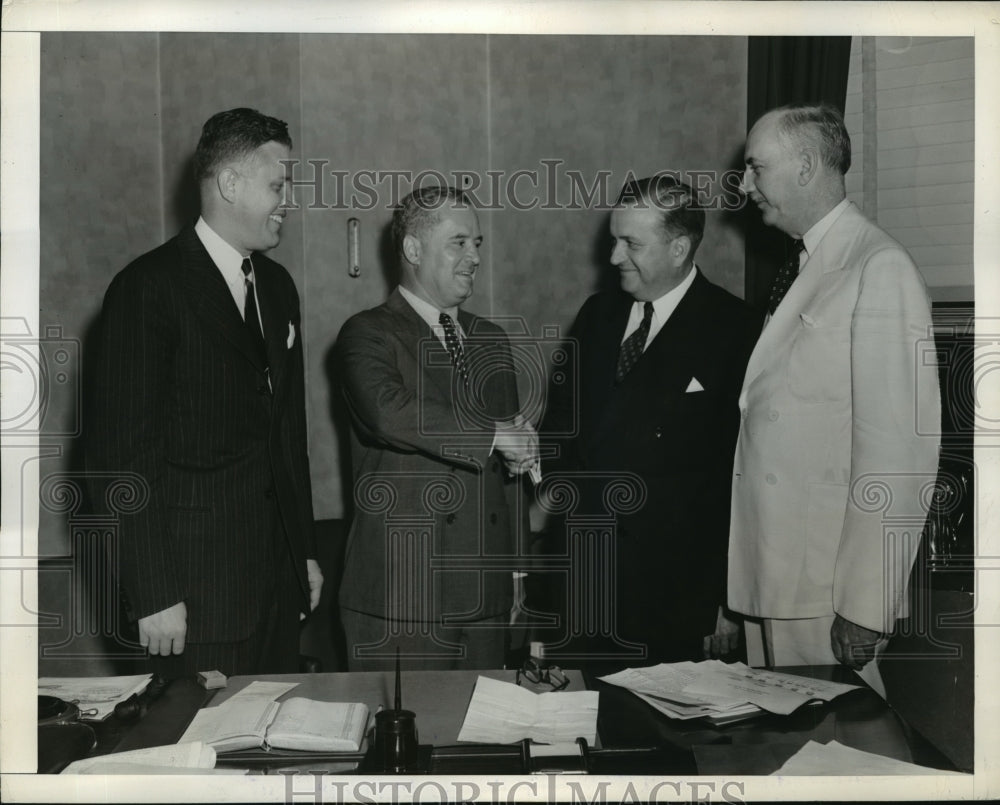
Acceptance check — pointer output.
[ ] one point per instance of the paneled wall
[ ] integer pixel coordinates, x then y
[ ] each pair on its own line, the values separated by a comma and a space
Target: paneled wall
372, 103
201, 74
101, 205
611, 104
121, 113
910, 112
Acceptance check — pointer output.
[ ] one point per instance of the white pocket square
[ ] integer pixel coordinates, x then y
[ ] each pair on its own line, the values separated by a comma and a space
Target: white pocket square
291, 334
694, 385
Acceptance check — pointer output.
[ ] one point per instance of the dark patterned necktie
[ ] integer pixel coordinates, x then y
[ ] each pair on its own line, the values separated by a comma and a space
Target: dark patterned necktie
785, 277
633, 346
250, 318
454, 345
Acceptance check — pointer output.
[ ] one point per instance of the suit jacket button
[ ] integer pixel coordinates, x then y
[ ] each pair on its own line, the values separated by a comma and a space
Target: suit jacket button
262, 389
771, 478
493, 518
450, 519
772, 415
658, 432
269, 493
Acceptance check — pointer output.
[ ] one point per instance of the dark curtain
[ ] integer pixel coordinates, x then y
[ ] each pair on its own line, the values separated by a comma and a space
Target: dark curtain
783, 70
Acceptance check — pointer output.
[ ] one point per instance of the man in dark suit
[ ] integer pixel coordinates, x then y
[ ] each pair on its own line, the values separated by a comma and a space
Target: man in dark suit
198, 399
437, 445
659, 370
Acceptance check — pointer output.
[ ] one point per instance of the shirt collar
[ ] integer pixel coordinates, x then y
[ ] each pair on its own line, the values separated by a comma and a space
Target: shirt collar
812, 238
427, 312
227, 259
666, 304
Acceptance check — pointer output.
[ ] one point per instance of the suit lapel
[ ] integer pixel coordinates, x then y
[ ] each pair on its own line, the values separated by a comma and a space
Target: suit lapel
600, 367
210, 297
427, 352
607, 348
471, 345
671, 351
829, 256
666, 361
666, 353
275, 321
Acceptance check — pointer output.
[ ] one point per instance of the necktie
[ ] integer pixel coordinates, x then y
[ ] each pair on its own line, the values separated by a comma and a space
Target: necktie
454, 346
633, 345
785, 277
250, 318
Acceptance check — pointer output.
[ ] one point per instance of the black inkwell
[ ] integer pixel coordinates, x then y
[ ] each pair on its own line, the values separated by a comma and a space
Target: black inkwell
396, 735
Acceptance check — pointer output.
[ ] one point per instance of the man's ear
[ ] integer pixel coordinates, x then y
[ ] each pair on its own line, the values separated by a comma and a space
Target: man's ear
808, 165
680, 249
226, 180
411, 249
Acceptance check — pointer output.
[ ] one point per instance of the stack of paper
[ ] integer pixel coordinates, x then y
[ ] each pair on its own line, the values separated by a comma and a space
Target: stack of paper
182, 758
722, 693
504, 713
96, 696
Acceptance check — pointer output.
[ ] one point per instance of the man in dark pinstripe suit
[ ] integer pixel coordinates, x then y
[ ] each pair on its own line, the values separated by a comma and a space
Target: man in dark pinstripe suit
198, 396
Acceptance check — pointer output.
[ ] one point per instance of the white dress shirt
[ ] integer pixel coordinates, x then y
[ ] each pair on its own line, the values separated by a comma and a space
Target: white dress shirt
811, 239
230, 264
430, 314
662, 310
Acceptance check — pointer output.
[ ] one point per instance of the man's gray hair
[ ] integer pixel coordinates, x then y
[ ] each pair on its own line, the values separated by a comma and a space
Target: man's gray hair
821, 126
420, 211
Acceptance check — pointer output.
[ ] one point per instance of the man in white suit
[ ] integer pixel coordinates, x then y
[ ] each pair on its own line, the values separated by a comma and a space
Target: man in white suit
840, 407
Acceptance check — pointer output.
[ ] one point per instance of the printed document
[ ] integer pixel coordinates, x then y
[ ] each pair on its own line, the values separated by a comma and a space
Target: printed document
721, 691
504, 713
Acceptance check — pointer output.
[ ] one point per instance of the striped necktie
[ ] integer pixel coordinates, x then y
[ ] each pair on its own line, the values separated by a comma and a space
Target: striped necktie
251, 320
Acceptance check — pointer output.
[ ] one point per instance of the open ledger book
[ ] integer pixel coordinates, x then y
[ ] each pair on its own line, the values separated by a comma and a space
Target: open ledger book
298, 724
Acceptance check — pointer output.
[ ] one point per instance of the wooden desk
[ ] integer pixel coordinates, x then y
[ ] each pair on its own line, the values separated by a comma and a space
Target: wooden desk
860, 719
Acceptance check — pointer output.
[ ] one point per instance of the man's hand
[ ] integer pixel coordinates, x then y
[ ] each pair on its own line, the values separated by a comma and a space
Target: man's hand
538, 517
726, 638
315, 577
163, 632
853, 645
517, 442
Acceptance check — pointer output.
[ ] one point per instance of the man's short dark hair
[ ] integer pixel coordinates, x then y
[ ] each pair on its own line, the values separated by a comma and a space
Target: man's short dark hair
675, 200
234, 135
821, 126
420, 211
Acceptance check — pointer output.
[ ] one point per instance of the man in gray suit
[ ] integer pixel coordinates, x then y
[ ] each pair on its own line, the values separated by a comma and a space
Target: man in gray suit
437, 447
839, 413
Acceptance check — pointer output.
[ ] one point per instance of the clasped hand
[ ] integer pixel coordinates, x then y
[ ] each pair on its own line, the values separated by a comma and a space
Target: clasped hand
517, 442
